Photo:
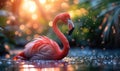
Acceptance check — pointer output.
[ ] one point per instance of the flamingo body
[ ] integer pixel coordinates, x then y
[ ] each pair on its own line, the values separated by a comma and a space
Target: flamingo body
43, 48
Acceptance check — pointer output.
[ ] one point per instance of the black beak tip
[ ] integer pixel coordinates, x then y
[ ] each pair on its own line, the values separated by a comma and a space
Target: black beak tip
70, 32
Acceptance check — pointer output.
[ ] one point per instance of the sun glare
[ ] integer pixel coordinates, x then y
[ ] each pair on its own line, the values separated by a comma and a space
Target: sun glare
42, 1
29, 6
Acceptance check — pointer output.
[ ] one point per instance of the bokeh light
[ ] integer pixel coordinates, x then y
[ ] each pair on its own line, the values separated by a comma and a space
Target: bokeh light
29, 6
34, 16
12, 0
65, 5
42, 1
22, 27
78, 12
50, 23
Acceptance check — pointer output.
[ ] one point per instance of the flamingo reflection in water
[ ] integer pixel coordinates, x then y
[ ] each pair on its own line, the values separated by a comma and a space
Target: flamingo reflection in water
43, 66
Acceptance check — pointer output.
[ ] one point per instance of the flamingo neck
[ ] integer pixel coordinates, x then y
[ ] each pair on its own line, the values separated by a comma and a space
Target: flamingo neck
62, 38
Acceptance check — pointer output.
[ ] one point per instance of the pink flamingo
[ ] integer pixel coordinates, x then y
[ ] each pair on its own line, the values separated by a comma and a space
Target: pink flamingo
44, 48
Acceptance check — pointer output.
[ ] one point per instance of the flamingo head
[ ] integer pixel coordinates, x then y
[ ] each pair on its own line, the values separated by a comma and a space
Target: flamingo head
65, 17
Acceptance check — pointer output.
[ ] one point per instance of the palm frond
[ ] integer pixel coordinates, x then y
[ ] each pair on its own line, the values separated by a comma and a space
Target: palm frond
116, 20
107, 29
107, 10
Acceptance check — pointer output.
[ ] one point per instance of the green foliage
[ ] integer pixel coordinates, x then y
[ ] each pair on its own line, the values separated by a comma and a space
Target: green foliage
102, 22
7, 37
3, 21
84, 30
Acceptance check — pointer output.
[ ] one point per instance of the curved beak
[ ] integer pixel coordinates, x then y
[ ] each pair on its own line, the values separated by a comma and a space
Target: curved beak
71, 26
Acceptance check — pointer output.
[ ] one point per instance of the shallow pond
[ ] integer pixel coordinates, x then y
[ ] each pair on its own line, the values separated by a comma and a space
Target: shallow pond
77, 60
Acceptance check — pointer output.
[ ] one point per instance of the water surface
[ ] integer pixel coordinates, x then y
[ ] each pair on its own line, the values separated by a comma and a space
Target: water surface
77, 60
